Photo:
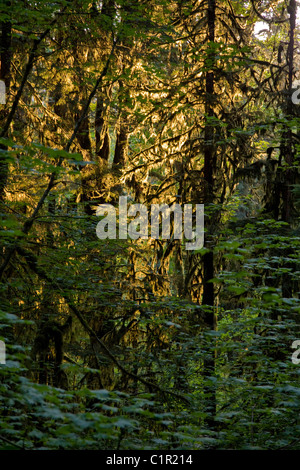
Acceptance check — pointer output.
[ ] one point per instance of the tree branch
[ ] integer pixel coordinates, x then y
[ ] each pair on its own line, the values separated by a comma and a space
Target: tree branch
27, 71
29, 222
33, 264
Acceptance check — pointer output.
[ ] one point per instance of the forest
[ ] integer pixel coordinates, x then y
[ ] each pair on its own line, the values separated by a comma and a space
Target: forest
138, 343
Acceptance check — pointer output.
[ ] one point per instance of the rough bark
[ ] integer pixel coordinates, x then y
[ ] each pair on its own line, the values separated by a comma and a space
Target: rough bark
5, 55
209, 165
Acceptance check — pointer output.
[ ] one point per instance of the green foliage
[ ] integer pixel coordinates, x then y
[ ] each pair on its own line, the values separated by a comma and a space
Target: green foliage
109, 344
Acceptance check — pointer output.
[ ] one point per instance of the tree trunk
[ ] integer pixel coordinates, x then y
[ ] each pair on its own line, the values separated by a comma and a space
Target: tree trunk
288, 147
5, 55
209, 165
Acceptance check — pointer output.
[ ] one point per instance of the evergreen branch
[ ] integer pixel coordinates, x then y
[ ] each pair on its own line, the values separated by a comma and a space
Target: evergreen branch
260, 62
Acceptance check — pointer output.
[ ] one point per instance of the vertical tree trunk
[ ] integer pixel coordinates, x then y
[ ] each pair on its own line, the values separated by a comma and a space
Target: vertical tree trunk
288, 152
209, 154
288, 147
122, 131
121, 145
5, 55
209, 165
101, 126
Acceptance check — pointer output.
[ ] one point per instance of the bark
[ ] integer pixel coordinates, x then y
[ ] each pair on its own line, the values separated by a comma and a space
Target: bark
288, 147
101, 125
5, 55
209, 165
122, 133
288, 153
121, 145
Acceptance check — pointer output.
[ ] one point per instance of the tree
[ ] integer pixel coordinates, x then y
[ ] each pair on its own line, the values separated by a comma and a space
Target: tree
142, 344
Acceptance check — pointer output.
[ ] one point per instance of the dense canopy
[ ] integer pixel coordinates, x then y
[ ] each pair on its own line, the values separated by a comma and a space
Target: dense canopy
127, 342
